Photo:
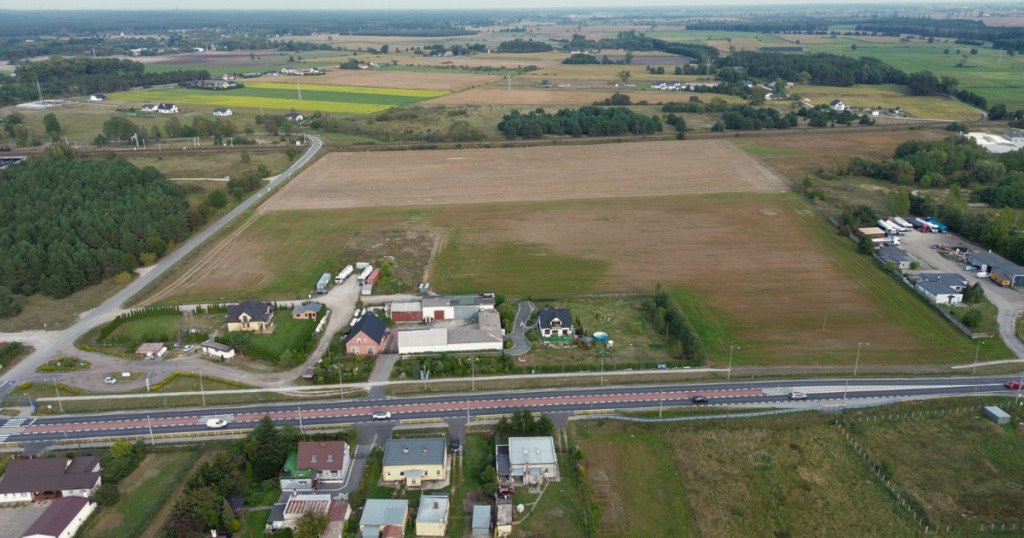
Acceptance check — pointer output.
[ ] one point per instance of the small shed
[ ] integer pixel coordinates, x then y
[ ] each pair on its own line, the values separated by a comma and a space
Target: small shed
997, 415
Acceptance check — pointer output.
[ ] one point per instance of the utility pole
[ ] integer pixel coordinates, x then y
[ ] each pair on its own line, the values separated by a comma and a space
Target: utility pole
59, 403
152, 441
857, 363
728, 375
300, 90
976, 352
39, 89
300, 419
201, 391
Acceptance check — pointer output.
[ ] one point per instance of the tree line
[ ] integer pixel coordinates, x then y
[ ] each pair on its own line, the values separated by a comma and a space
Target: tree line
520, 45
583, 121
68, 222
954, 160
670, 319
820, 68
1006, 38
60, 76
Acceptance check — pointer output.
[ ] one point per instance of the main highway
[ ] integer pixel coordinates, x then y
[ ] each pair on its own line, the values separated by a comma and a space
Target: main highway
820, 393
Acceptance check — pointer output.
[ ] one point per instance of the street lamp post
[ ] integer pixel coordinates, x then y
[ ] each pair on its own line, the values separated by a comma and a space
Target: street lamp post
473, 364
856, 364
976, 352
201, 391
729, 374
60, 404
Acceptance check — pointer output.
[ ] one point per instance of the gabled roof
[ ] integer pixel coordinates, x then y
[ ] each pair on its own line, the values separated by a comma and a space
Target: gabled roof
415, 451
890, 253
370, 325
546, 315
57, 517
308, 307
49, 474
257, 311
998, 263
222, 110
213, 344
949, 279
321, 455
166, 106
939, 288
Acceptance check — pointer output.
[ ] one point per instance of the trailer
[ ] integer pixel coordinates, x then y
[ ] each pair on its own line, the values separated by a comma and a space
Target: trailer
903, 222
942, 228
323, 283
892, 240
898, 227
361, 279
925, 226
361, 265
345, 273
884, 225
373, 278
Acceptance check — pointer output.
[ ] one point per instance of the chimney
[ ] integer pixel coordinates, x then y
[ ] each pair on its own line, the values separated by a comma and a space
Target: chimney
405, 450
436, 505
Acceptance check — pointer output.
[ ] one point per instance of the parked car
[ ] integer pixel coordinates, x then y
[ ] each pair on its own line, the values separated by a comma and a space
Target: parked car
188, 348
797, 395
382, 415
662, 366
110, 380
699, 399
216, 423
456, 445
1012, 385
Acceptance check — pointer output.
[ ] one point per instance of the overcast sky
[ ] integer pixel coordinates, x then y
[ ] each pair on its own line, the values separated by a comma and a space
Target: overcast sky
401, 4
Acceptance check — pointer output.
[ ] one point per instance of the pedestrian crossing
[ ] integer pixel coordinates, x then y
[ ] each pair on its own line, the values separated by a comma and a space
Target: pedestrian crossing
11, 427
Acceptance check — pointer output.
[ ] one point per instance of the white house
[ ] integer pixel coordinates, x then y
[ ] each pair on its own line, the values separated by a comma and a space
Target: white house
294, 116
942, 288
487, 335
214, 348
98, 97
149, 107
838, 105
167, 108
527, 460
49, 478
61, 519
328, 460
222, 112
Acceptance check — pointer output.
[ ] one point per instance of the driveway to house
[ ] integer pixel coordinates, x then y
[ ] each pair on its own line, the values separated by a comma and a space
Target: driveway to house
64, 340
1008, 301
521, 344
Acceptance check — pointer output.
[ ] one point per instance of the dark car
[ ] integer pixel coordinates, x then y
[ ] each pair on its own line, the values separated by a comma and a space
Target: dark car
699, 399
1012, 385
456, 446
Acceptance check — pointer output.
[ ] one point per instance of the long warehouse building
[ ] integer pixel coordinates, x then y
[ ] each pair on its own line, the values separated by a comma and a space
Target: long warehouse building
1002, 271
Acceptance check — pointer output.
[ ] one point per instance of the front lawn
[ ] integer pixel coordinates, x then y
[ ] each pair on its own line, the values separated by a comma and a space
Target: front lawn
290, 335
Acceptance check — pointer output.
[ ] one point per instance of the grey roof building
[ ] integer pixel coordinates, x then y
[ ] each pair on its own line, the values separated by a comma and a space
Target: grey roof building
949, 279
415, 451
896, 255
1003, 271
380, 514
481, 520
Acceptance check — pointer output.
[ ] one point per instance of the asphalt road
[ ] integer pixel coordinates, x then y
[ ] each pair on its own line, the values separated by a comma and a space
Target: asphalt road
108, 310
521, 344
821, 393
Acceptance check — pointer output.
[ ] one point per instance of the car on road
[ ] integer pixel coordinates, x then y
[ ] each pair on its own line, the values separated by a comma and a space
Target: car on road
796, 395
699, 399
216, 423
110, 380
1012, 385
382, 415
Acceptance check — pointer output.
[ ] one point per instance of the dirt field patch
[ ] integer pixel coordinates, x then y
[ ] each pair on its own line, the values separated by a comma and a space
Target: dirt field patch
418, 178
554, 96
397, 79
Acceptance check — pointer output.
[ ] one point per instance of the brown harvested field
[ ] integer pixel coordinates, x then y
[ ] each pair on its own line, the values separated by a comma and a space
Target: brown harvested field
418, 178
496, 95
795, 154
398, 79
232, 59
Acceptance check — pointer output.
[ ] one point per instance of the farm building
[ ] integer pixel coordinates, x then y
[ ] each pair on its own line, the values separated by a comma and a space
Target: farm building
366, 336
61, 519
1002, 271
873, 232
942, 288
456, 306
151, 350
895, 255
432, 517
994, 143
526, 461
223, 112
251, 316
214, 348
407, 312
384, 518
486, 336
555, 326
307, 311
415, 460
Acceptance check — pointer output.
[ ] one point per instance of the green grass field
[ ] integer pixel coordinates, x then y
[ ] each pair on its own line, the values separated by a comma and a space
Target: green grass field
887, 96
289, 334
142, 494
280, 96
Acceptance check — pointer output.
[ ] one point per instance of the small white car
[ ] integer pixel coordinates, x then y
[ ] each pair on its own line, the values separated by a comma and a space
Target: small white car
187, 348
110, 380
382, 415
797, 395
216, 423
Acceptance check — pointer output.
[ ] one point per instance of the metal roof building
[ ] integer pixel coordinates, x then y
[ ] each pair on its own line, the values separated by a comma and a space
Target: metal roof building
1003, 271
415, 451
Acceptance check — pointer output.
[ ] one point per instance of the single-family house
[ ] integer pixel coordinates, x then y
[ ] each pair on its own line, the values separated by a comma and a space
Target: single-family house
167, 108
481, 525
555, 326
61, 519
223, 112
294, 116
432, 517
27, 480
98, 97
942, 288
148, 107
292, 478
838, 105
214, 348
384, 518
328, 460
487, 335
367, 336
503, 517
415, 461
151, 350
527, 461
307, 311
406, 312
895, 255
1001, 271
251, 316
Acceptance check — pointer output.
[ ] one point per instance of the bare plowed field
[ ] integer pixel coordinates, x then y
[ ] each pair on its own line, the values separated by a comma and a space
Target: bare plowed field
554, 96
396, 79
417, 178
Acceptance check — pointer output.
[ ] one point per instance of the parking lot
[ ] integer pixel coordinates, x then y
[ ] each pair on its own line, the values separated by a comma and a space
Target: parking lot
15, 521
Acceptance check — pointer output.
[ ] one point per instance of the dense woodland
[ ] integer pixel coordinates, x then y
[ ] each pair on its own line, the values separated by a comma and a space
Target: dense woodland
68, 222
61, 76
1006, 38
519, 45
821, 68
583, 121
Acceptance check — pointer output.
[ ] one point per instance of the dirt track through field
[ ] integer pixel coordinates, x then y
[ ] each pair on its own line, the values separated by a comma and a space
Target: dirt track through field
418, 178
